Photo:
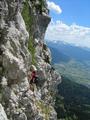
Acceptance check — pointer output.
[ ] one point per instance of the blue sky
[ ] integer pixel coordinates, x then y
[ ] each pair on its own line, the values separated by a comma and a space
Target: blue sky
70, 21
73, 11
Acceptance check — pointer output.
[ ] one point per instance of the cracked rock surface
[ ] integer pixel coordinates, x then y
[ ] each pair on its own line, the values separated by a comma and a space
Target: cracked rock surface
18, 101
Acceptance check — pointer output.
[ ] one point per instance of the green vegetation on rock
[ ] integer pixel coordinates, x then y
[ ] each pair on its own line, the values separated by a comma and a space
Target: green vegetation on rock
28, 21
76, 102
26, 16
44, 109
77, 71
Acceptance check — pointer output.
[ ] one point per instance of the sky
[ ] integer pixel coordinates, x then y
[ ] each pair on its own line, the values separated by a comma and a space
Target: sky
70, 22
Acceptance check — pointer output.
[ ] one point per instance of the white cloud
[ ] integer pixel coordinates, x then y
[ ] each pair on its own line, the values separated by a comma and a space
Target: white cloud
53, 6
73, 34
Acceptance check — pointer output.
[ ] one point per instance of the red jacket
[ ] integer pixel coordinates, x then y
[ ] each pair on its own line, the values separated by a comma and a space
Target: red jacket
33, 75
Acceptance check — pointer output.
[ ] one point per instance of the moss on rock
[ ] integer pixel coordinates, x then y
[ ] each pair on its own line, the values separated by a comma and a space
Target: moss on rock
28, 22
44, 109
26, 16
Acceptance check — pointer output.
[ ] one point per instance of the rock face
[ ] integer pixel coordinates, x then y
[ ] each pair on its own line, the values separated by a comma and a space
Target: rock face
2, 113
20, 102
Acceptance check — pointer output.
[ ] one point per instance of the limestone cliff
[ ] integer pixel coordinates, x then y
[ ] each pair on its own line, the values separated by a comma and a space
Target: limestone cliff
22, 29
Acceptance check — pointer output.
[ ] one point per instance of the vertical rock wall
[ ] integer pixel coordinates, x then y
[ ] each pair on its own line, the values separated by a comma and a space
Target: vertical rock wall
19, 101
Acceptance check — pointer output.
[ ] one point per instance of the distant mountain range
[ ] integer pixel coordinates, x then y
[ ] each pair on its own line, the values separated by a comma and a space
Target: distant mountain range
65, 52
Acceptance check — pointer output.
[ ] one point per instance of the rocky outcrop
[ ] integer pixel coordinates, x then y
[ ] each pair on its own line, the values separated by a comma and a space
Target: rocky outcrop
2, 113
18, 99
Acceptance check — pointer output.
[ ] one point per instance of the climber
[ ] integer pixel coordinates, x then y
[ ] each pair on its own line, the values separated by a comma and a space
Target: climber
32, 75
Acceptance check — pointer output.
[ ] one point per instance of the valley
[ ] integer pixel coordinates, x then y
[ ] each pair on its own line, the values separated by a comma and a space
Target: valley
73, 97
72, 62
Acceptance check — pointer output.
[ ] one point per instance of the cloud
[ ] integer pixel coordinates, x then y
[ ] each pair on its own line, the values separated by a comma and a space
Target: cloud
73, 34
53, 6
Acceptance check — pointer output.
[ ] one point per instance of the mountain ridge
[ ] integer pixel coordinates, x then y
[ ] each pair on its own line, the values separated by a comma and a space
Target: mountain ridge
77, 53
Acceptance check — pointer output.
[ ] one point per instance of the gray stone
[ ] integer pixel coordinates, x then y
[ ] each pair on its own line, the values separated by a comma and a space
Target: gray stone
40, 25
3, 115
19, 100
